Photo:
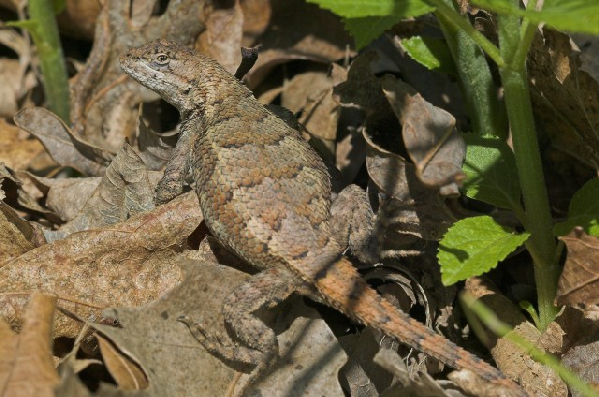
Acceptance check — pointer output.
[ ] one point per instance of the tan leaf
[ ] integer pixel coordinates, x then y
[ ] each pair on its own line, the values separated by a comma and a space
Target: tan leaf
62, 145
124, 191
125, 372
223, 35
126, 264
26, 365
152, 336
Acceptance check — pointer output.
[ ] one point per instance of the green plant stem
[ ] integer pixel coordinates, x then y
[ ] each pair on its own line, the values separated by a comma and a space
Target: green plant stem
56, 85
460, 23
503, 330
539, 223
485, 111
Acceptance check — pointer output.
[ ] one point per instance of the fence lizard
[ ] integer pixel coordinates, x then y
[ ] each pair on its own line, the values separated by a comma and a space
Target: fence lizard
265, 195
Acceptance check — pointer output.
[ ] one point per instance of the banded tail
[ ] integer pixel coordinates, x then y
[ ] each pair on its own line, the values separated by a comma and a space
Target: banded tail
344, 289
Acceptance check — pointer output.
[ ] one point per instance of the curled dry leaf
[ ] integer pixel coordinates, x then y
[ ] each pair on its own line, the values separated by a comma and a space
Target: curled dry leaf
429, 135
565, 98
26, 364
130, 263
223, 36
155, 149
102, 96
320, 37
127, 374
67, 196
64, 147
578, 284
124, 191
12, 185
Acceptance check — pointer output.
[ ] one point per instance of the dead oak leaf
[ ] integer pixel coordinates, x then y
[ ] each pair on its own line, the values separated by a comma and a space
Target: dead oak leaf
124, 190
126, 264
64, 147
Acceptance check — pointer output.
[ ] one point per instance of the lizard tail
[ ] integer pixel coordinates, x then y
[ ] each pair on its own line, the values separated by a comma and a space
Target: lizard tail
343, 288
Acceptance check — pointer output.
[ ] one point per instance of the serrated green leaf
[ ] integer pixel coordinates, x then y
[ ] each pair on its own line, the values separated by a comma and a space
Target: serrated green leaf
491, 170
432, 53
474, 246
366, 29
584, 211
366, 8
571, 15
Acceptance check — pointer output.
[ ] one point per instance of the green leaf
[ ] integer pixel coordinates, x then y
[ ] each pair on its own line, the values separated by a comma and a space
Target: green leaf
571, 15
432, 53
366, 29
474, 246
584, 211
365, 8
492, 174
32, 26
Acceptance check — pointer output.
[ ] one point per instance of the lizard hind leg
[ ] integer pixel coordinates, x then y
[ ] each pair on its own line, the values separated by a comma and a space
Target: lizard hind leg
258, 345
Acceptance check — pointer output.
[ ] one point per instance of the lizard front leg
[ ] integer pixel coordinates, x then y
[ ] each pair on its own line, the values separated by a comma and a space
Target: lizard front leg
177, 168
258, 341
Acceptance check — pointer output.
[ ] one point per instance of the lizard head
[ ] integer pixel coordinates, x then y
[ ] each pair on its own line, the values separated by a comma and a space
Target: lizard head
170, 69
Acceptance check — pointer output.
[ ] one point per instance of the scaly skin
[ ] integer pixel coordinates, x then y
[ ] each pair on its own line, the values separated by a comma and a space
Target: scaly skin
265, 194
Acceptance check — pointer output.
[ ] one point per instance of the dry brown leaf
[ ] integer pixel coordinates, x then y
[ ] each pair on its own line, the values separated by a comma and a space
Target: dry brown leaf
430, 137
363, 89
102, 95
15, 234
67, 196
256, 16
223, 36
583, 359
126, 264
124, 191
59, 141
565, 98
16, 196
319, 36
578, 284
125, 372
155, 149
177, 365
26, 364
16, 149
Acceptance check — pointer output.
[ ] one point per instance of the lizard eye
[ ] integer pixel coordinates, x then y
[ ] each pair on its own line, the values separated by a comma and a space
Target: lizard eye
162, 59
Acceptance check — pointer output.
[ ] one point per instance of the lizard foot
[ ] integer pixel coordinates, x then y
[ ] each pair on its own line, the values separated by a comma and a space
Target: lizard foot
222, 346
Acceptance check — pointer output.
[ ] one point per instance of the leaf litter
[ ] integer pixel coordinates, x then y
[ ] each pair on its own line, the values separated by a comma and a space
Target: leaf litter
78, 222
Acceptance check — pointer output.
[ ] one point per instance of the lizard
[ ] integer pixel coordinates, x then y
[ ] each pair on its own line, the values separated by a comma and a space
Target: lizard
266, 196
